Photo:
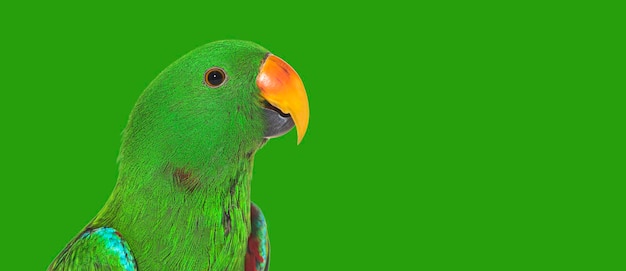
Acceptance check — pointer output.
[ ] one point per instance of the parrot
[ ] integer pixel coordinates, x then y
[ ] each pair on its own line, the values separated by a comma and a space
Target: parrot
182, 196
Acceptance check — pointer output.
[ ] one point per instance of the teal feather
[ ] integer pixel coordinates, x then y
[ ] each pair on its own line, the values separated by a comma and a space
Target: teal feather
101, 247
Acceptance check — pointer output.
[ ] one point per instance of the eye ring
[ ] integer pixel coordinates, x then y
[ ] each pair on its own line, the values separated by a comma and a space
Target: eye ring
215, 77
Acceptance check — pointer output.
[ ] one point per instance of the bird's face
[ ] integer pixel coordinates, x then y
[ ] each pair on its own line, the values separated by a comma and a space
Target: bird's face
235, 90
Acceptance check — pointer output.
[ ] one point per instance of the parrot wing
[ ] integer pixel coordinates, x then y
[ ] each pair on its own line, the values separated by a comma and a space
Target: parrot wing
258, 254
96, 249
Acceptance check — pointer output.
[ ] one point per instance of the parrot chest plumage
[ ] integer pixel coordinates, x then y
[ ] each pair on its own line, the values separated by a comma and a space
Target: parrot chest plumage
189, 224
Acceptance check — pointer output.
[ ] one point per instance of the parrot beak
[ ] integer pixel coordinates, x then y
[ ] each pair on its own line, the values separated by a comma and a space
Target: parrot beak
283, 89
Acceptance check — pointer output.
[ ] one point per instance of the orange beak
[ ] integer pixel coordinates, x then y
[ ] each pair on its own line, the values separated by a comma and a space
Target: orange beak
282, 87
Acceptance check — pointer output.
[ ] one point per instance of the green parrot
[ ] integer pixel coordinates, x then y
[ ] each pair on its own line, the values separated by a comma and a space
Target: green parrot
182, 198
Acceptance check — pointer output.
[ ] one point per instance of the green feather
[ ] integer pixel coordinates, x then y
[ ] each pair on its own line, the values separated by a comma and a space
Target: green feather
182, 198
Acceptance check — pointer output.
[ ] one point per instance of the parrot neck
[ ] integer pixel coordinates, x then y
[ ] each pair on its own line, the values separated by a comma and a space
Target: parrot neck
187, 200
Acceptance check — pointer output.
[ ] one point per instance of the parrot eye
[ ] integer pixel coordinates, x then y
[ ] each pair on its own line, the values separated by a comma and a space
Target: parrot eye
214, 77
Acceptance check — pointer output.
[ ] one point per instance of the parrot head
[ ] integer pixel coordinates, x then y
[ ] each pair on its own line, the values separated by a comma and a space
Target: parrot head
221, 98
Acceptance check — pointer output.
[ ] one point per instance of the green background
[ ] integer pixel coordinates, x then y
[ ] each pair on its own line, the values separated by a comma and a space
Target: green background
451, 136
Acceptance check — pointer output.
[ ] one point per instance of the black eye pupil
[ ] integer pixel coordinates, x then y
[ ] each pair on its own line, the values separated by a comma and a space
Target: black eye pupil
215, 78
